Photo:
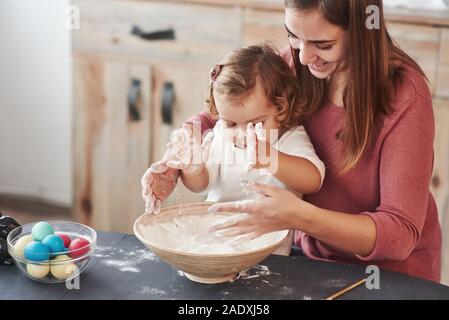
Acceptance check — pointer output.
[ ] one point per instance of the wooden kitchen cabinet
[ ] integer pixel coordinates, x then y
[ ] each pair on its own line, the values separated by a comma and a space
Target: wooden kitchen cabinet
190, 86
422, 43
113, 148
440, 178
111, 141
260, 26
443, 66
173, 32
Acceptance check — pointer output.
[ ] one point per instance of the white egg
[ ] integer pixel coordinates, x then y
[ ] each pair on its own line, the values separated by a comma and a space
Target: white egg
38, 271
19, 246
62, 270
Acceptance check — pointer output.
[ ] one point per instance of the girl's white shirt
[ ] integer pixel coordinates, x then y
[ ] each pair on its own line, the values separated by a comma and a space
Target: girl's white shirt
227, 164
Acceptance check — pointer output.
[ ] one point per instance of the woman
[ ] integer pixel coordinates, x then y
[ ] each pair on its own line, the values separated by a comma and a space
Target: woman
371, 121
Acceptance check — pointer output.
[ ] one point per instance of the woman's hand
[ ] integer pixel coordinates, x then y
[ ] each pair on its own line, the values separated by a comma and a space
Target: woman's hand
277, 209
187, 152
158, 182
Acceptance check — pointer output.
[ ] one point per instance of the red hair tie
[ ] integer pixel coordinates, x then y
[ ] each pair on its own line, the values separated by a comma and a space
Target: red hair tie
215, 72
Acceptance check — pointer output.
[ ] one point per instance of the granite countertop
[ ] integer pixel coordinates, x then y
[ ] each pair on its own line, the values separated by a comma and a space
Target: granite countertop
123, 268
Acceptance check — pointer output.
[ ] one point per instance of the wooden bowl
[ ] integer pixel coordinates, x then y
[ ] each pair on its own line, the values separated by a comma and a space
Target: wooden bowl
202, 267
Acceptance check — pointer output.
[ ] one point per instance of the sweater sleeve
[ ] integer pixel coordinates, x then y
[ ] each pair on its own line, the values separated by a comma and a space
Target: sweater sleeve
406, 164
203, 119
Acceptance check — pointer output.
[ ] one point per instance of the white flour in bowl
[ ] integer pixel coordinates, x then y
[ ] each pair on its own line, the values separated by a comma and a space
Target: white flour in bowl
190, 234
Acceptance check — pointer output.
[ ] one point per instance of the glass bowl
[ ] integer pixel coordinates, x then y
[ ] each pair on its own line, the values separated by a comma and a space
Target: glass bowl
66, 269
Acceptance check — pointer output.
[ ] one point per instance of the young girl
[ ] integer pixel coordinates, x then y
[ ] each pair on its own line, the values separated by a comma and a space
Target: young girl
253, 85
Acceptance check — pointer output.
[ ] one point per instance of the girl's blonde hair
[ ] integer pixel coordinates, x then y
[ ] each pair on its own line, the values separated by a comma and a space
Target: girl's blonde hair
237, 75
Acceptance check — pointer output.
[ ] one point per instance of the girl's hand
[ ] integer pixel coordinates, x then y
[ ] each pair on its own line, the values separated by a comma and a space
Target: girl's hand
187, 153
277, 209
158, 182
259, 152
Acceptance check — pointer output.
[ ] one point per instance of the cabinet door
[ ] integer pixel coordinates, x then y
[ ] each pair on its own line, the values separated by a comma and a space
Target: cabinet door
261, 26
440, 179
422, 44
111, 141
189, 86
443, 67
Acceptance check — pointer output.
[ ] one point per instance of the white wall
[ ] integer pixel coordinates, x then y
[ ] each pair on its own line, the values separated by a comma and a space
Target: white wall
35, 99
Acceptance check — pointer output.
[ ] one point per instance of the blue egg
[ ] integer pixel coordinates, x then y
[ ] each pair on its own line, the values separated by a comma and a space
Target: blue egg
40, 230
36, 251
54, 242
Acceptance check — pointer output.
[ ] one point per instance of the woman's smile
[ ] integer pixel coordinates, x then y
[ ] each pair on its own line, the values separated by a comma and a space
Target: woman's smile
318, 67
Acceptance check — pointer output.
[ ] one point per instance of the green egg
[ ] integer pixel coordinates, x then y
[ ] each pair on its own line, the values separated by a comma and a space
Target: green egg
41, 230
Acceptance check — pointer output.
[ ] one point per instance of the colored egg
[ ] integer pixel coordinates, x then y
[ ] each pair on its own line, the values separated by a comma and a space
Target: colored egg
36, 251
63, 251
54, 242
41, 229
78, 247
19, 246
60, 269
38, 271
66, 240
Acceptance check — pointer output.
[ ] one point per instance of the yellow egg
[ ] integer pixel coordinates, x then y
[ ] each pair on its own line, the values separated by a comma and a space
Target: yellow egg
62, 270
19, 246
38, 271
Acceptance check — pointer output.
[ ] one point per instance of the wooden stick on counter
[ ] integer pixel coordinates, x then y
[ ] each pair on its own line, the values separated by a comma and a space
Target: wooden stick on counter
342, 292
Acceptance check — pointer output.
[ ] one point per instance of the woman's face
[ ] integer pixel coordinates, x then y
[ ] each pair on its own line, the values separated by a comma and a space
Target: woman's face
321, 44
255, 108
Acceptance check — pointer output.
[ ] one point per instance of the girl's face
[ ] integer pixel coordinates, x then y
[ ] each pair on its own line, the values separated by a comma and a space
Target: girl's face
321, 44
254, 108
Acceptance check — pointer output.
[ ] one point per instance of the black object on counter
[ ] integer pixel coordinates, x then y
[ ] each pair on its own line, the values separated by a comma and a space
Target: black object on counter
5, 258
7, 224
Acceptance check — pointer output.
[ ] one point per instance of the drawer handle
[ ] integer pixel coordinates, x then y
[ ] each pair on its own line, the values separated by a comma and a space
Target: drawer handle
133, 100
168, 34
168, 100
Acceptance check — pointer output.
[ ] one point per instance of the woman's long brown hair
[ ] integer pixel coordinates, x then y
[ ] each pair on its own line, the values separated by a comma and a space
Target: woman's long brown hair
374, 70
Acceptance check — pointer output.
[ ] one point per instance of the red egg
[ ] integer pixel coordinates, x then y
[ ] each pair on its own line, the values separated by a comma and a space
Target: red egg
66, 239
78, 247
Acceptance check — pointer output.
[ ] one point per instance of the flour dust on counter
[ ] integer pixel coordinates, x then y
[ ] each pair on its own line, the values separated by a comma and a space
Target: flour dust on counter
149, 291
181, 274
130, 261
334, 283
256, 271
